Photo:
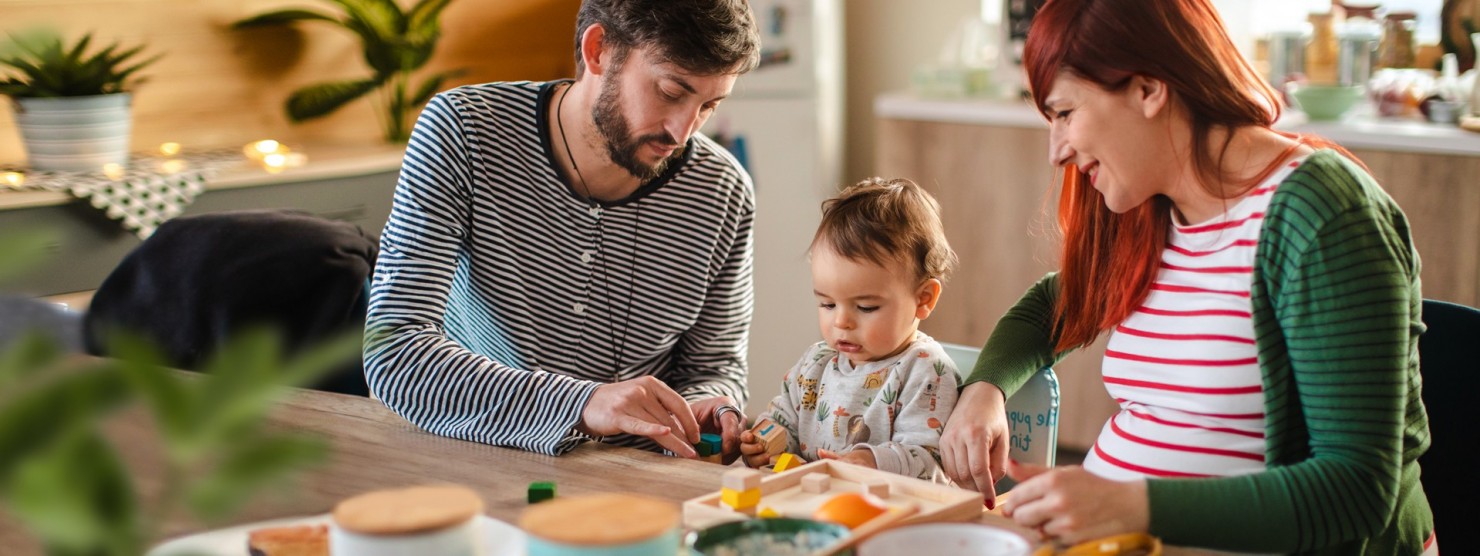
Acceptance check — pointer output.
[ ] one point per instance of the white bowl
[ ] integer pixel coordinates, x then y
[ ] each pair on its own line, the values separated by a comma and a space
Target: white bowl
459, 540
946, 539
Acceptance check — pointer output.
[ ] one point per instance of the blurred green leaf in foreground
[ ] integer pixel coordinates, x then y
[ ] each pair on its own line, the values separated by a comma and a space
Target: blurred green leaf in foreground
64, 479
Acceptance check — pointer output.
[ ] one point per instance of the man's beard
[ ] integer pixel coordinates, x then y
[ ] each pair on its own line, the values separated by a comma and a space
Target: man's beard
621, 147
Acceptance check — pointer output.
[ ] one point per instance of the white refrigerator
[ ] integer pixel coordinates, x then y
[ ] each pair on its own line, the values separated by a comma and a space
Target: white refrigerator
784, 121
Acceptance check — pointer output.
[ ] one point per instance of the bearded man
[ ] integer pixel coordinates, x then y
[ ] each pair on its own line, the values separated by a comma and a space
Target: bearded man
570, 260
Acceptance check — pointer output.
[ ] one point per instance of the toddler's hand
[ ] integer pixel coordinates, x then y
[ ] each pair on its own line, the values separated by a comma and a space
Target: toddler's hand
859, 456
753, 451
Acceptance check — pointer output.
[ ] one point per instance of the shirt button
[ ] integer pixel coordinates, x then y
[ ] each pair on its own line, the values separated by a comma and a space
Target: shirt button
585, 256
578, 308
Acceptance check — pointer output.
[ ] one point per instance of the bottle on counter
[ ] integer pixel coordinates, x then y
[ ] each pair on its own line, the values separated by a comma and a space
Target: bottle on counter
1321, 53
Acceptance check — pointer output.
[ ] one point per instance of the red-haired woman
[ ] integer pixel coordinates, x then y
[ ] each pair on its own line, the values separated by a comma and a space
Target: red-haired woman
1261, 294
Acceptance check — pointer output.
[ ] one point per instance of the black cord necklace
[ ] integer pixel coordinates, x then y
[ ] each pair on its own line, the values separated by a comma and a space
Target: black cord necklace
619, 346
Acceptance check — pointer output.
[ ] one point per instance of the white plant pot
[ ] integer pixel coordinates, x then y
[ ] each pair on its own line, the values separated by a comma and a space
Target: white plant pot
75, 134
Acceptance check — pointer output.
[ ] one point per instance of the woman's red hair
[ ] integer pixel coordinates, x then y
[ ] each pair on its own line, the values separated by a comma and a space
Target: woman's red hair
1110, 260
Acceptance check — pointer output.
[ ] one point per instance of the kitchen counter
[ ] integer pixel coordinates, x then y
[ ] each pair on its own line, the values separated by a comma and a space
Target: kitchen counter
1359, 131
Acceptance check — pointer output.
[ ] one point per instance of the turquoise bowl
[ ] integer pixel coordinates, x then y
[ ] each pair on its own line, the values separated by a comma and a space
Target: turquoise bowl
766, 537
1325, 102
662, 545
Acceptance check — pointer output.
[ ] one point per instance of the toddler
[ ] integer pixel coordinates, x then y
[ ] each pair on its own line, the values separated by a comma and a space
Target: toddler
876, 391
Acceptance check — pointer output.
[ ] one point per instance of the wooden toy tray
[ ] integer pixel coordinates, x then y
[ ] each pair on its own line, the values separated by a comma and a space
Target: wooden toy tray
783, 493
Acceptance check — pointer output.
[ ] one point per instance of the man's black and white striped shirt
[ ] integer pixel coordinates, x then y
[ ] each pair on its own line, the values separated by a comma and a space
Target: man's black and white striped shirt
502, 299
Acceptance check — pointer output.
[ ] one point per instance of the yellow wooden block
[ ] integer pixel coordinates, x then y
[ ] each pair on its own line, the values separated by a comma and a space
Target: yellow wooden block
741, 499
784, 462
769, 512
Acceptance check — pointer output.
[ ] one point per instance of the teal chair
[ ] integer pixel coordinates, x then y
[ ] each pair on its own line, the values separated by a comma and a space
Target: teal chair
1032, 412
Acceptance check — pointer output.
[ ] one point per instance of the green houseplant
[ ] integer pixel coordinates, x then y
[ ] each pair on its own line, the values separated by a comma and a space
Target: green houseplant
62, 475
71, 105
396, 43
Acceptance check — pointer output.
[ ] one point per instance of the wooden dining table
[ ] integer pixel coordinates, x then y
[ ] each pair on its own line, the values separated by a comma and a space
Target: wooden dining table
372, 448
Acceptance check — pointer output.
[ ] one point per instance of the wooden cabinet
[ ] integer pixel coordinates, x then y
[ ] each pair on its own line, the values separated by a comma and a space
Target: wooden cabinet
998, 195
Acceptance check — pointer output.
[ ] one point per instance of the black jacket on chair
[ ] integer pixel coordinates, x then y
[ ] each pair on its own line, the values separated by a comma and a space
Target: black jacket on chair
199, 279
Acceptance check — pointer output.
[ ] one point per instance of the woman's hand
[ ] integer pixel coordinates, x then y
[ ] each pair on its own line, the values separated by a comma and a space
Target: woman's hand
973, 449
1071, 505
859, 456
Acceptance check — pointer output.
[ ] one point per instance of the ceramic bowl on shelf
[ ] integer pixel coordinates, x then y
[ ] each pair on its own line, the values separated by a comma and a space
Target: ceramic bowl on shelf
1325, 102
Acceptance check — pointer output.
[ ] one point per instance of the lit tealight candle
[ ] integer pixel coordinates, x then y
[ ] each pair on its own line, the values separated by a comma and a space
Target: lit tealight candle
259, 150
169, 149
172, 166
13, 179
275, 162
113, 170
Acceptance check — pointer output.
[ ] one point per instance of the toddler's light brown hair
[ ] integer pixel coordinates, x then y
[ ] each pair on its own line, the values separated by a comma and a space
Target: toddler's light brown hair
888, 222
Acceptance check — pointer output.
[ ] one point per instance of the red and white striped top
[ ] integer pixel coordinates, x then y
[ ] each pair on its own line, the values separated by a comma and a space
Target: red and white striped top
1184, 366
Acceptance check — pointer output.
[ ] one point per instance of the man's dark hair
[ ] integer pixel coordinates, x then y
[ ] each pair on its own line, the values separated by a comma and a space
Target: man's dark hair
705, 37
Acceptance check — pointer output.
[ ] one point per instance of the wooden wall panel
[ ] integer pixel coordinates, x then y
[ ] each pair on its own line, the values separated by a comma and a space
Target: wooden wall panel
218, 87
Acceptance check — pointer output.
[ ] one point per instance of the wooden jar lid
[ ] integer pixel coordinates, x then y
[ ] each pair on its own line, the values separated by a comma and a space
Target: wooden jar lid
409, 510
600, 520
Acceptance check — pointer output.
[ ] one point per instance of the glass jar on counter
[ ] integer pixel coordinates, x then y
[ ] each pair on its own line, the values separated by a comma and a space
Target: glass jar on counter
1398, 93
1398, 46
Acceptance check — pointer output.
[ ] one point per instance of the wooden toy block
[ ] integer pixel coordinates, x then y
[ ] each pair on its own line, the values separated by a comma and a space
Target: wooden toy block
815, 483
784, 462
877, 488
715, 442
774, 436
768, 512
710, 448
541, 491
742, 480
742, 500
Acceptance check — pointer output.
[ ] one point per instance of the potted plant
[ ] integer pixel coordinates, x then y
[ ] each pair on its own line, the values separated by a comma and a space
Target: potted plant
63, 477
71, 106
395, 43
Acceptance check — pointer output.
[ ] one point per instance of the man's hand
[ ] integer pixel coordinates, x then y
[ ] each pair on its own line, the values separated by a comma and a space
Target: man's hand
728, 425
858, 456
644, 407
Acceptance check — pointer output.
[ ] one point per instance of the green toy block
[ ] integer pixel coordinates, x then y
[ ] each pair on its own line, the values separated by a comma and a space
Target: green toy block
541, 491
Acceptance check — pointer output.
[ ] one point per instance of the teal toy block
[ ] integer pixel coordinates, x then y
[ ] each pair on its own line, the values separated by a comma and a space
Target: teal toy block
716, 444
